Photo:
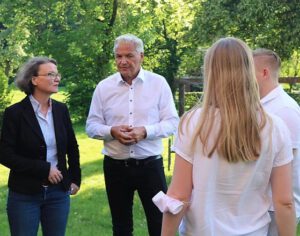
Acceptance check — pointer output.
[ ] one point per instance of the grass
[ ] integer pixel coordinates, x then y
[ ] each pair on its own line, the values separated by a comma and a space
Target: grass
90, 215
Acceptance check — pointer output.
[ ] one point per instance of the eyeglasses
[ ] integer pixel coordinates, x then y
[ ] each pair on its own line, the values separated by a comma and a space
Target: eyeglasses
52, 75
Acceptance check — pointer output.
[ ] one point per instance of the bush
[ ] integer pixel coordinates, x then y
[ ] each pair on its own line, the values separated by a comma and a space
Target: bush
191, 99
296, 96
4, 95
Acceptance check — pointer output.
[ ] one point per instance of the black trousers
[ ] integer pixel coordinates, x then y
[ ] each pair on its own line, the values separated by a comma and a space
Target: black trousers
122, 178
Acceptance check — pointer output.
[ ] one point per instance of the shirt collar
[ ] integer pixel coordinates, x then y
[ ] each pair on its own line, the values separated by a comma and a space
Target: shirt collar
140, 76
272, 95
36, 105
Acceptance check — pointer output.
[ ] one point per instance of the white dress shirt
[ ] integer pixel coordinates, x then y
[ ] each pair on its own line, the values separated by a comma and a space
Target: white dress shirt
47, 127
147, 102
278, 102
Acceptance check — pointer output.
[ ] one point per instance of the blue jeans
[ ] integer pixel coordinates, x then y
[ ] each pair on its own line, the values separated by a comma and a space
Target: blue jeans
121, 180
50, 207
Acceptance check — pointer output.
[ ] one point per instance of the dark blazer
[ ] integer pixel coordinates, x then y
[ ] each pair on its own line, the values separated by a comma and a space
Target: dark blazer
23, 148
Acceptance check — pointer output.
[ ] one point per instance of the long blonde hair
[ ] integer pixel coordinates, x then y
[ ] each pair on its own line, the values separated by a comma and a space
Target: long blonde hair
230, 88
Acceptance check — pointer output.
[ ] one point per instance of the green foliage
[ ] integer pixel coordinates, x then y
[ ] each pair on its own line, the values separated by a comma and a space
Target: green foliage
291, 67
269, 23
4, 95
163, 26
76, 33
191, 99
295, 96
80, 34
272, 24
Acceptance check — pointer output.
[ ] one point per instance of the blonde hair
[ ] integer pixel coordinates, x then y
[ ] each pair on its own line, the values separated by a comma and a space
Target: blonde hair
230, 88
270, 59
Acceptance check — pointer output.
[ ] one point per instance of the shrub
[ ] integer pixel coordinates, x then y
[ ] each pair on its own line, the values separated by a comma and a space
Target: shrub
296, 96
191, 99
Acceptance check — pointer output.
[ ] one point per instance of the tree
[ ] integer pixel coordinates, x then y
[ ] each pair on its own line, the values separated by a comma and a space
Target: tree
4, 95
163, 26
272, 24
78, 34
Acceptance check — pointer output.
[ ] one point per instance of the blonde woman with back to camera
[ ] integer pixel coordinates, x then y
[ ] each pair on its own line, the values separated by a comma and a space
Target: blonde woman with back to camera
229, 154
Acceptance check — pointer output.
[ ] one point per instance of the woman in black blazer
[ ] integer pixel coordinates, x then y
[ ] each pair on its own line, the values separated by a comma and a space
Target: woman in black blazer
39, 147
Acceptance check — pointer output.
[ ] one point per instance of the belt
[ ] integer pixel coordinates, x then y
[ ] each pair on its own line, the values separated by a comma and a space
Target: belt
133, 161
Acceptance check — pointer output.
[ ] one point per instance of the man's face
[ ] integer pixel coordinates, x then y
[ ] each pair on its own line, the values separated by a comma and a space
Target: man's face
128, 60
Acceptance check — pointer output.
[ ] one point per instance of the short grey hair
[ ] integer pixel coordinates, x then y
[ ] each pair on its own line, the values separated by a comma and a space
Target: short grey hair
28, 70
129, 38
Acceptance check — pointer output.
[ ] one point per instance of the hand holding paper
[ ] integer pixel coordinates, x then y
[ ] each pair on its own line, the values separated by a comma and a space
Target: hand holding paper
167, 204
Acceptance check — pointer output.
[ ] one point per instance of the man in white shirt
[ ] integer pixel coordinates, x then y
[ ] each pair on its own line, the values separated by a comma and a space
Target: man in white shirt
275, 100
131, 111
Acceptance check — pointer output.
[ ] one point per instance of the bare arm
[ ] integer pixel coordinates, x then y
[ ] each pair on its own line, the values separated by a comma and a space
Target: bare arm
281, 181
180, 188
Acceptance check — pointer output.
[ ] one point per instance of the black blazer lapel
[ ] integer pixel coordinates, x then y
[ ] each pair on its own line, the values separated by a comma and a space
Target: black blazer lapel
30, 117
58, 122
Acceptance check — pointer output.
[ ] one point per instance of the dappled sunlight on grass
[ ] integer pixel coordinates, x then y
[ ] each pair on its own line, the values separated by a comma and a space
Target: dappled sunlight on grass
95, 181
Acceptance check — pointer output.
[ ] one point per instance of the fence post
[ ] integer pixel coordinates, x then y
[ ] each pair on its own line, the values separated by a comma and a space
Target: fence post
181, 98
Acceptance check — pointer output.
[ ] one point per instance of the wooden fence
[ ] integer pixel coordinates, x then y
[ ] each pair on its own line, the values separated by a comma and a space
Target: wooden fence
185, 83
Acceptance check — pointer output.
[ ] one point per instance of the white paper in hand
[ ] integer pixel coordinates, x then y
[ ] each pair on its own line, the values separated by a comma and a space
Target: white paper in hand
167, 204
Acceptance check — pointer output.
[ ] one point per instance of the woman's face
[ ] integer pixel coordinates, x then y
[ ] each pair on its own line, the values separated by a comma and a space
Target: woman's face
47, 79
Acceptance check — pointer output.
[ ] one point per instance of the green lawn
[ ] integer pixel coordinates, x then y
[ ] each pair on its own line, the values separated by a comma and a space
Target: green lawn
89, 214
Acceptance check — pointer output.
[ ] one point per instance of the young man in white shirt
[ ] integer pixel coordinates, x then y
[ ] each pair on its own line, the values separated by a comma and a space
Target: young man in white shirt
131, 111
275, 100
